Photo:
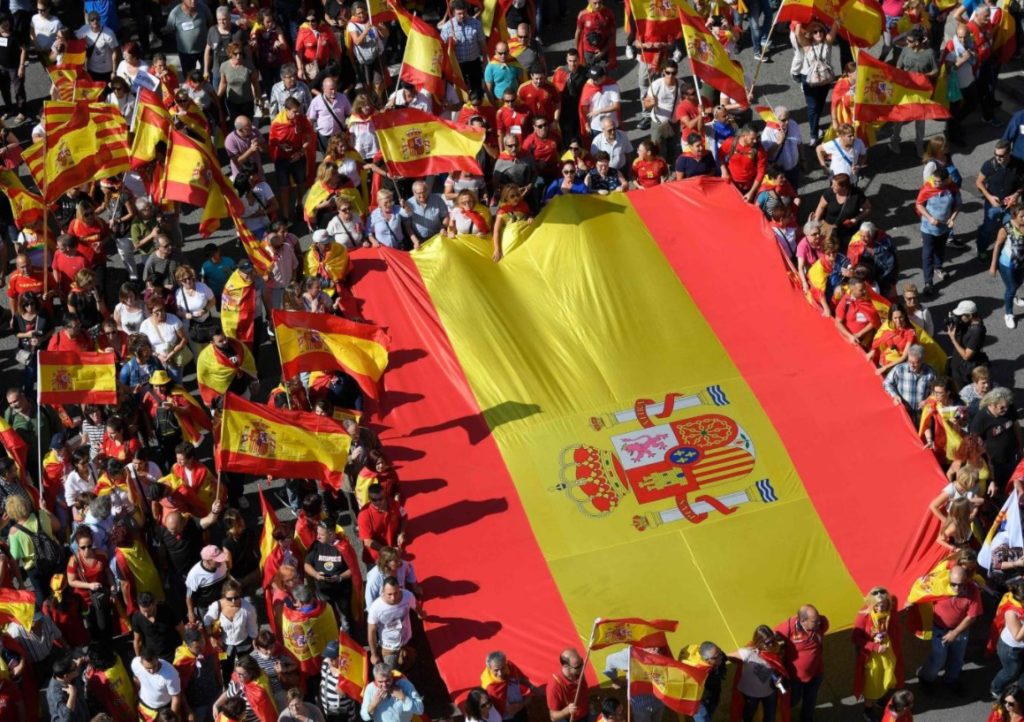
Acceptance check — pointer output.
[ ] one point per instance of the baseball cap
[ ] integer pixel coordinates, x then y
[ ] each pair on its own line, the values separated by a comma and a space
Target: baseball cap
321, 236
58, 440
597, 71
331, 650
213, 553
965, 308
245, 266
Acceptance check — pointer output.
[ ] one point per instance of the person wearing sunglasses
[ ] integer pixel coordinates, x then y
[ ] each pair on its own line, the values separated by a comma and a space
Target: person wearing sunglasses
568, 693
235, 616
877, 637
502, 73
952, 618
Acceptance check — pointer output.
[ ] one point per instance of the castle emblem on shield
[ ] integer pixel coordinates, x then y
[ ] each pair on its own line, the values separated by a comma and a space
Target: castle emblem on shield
62, 380
257, 440
415, 145
669, 455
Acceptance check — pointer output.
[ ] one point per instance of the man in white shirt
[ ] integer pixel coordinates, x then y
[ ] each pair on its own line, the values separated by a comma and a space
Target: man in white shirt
102, 43
663, 94
604, 101
782, 144
158, 683
205, 580
388, 622
613, 142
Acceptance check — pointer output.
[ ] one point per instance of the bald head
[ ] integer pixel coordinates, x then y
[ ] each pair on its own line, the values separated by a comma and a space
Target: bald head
572, 664
808, 617
957, 575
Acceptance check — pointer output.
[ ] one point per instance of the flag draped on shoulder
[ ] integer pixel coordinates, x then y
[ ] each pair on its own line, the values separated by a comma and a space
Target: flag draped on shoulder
70, 377
321, 342
216, 369
192, 418
927, 590
415, 143
17, 605
238, 308
708, 57
861, 21
84, 142
258, 439
885, 93
428, 63
677, 684
1005, 529
632, 631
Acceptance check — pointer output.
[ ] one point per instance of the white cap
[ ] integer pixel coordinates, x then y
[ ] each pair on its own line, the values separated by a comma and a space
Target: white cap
321, 236
965, 308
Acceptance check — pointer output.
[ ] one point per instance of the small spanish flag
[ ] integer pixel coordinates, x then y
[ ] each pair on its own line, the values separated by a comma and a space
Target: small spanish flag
152, 127
257, 439
428, 63
861, 21
26, 206
14, 446
767, 114
70, 377
887, 94
354, 667
415, 143
321, 342
655, 22
632, 631
269, 524
708, 58
678, 685
17, 606
75, 53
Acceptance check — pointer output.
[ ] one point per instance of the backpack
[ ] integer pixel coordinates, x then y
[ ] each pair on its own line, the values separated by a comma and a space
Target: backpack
50, 556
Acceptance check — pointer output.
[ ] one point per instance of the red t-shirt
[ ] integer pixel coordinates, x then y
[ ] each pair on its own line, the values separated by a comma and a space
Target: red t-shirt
746, 165
120, 451
18, 284
601, 22
92, 571
510, 120
544, 151
858, 313
804, 650
686, 109
66, 267
948, 612
542, 101
380, 526
561, 692
649, 173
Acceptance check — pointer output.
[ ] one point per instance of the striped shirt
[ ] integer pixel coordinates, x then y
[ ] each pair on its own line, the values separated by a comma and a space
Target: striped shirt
467, 38
266, 664
332, 700
235, 690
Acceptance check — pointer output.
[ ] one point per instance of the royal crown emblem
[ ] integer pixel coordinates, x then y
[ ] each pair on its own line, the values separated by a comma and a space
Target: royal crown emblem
699, 50
64, 157
256, 439
309, 340
62, 380
878, 91
660, 9
670, 458
415, 145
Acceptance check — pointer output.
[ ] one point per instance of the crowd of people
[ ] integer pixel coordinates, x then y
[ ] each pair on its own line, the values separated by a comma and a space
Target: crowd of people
153, 599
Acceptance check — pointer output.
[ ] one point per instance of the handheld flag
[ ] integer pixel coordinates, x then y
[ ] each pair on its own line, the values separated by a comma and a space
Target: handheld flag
415, 143
1005, 530
26, 206
152, 126
428, 63
709, 59
928, 589
321, 342
256, 439
70, 377
269, 524
885, 93
861, 21
655, 22
678, 685
631, 631
354, 667
14, 446
17, 606
75, 52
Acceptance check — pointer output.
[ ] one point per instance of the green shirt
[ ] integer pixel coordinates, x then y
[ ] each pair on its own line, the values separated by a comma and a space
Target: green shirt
23, 550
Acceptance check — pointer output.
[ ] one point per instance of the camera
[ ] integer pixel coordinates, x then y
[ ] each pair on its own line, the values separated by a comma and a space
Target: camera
952, 321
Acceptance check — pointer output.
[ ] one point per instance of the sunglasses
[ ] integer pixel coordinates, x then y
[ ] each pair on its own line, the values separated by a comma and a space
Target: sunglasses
231, 599
540, 125
669, 74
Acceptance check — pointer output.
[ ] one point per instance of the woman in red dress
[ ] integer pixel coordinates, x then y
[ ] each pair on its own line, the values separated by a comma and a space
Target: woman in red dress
90, 578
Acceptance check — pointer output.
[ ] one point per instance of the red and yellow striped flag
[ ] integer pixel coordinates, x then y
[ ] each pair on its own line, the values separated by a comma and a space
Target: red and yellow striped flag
321, 342
379, 11
152, 126
656, 22
70, 377
17, 605
428, 63
861, 21
885, 93
64, 78
632, 631
708, 58
15, 447
84, 142
257, 439
354, 667
678, 685
26, 206
415, 143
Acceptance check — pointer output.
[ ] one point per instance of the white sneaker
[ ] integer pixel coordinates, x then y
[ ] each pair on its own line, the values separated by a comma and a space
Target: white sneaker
629, 52
1018, 302
1010, 321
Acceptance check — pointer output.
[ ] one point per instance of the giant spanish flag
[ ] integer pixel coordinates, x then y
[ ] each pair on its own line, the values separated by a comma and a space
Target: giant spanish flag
69, 377
885, 93
428, 63
612, 402
861, 21
415, 143
677, 684
322, 342
708, 58
258, 439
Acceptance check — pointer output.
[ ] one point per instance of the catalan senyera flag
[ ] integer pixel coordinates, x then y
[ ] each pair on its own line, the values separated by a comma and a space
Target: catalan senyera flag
861, 21
655, 22
624, 434
885, 93
428, 63
632, 631
69, 377
257, 252
415, 143
354, 672
26, 206
257, 439
15, 447
152, 127
322, 342
708, 58
84, 142
17, 605
64, 78
678, 685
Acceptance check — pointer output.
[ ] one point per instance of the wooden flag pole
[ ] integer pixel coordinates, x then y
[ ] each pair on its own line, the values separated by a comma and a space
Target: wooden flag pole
583, 672
767, 42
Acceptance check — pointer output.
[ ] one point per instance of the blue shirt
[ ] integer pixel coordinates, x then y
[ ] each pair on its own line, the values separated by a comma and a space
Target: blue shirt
467, 38
215, 275
426, 219
502, 77
555, 189
1015, 134
391, 709
133, 373
940, 206
107, 10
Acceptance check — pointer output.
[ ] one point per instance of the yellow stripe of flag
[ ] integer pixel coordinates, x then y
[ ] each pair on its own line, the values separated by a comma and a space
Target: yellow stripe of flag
67, 377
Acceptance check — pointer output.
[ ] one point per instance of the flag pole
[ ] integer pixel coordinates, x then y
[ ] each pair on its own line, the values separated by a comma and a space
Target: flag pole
46, 218
39, 426
280, 359
583, 672
629, 691
768, 41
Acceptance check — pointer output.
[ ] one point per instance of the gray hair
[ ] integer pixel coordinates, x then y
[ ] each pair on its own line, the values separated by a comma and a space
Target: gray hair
288, 70
781, 112
496, 659
99, 507
223, 11
811, 226
998, 395
420, 183
868, 227
382, 670
915, 351
241, 121
303, 594
708, 651
143, 204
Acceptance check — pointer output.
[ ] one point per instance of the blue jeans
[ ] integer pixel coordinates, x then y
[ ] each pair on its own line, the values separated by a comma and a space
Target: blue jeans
990, 224
944, 656
933, 253
759, 17
768, 705
815, 97
706, 711
805, 694
1012, 659
1012, 278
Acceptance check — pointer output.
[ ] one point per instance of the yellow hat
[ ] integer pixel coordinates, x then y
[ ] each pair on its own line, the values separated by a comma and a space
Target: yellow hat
159, 378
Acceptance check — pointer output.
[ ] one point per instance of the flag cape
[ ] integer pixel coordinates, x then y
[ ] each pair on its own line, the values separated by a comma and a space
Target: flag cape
67, 377
192, 417
1004, 38
238, 308
946, 437
709, 59
678, 685
258, 697
214, 373
282, 132
927, 589
306, 634
26, 206
632, 631
567, 411
256, 439
333, 266
354, 672
415, 143
152, 127
319, 193
885, 93
321, 342
15, 447
861, 20
1004, 530
17, 606
1007, 603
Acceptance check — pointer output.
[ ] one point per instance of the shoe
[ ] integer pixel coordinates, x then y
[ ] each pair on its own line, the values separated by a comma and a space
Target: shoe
629, 52
645, 123
957, 242
928, 290
940, 275
1018, 302
758, 57
1011, 322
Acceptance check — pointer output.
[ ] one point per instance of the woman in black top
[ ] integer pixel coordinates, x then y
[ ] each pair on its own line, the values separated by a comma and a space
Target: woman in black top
843, 206
241, 541
32, 328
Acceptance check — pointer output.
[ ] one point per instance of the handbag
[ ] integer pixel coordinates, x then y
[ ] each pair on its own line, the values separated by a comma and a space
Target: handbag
199, 331
821, 72
182, 357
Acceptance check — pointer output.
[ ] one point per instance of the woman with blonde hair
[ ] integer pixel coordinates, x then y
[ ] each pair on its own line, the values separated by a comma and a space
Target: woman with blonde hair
963, 486
877, 640
511, 208
26, 522
958, 531
468, 215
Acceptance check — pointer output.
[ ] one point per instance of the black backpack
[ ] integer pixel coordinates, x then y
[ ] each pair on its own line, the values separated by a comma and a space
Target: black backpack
51, 557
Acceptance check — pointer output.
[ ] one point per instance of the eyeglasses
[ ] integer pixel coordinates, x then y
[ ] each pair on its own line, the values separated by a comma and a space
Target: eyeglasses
231, 599
501, 52
568, 171
540, 125
1002, 155
346, 209
1010, 702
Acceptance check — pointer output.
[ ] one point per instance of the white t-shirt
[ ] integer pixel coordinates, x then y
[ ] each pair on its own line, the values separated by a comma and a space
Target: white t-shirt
75, 484
364, 139
349, 234
156, 690
163, 336
235, 631
103, 44
253, 213
667, 97
198, 576
195, 302
841, 160
130, 320
45, 30
392, 621
608, 95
